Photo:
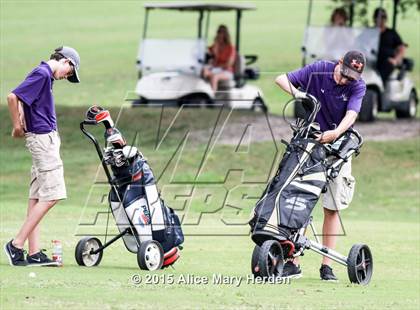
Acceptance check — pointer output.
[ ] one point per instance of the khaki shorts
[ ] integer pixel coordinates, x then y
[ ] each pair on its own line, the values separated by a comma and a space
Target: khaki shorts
340, 190
47, 174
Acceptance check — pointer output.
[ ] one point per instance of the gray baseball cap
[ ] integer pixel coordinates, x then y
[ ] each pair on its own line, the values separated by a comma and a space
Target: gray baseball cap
72, 55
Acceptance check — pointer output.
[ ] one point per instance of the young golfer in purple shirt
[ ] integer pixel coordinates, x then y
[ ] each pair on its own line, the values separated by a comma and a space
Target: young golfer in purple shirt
31, 107
340, 90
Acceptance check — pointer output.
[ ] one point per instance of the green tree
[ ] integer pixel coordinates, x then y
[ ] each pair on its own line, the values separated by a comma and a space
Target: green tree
360, 8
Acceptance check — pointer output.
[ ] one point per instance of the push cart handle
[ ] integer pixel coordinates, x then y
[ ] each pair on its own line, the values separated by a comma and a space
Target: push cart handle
90, 136
343, 157
358, 136
89, 122
96, 144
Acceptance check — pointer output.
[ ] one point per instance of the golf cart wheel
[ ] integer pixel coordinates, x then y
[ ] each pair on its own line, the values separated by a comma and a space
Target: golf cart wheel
150, 255
360, 264
255, 268
139, 102
270, 260
195, 101
83, 249
370, 105
407, 109
259, 105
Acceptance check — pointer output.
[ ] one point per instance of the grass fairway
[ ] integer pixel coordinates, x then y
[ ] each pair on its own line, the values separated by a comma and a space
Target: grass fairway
395, 283
107, 37
384, 215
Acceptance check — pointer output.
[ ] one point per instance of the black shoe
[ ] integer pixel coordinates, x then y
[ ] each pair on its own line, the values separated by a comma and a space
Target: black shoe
291, 271
40, 259
16, 256
327, 274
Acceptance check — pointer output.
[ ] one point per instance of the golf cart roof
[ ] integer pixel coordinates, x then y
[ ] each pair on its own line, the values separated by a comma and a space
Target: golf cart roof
194, 6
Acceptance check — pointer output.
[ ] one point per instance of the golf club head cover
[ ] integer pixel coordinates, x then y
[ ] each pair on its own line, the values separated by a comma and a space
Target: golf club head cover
130, 151
114, 137
100, 115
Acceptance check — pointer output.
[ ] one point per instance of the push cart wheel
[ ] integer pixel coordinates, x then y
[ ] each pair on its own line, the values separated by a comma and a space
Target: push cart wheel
270, 259
255, 268
360, 264
83, 249
150, 255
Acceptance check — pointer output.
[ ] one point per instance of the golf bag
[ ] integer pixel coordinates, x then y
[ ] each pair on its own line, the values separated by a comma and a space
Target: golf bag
290, 197
134, 198
137, 200
288, 200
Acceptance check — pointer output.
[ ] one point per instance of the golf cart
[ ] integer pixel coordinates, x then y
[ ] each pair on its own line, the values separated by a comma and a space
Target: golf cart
331, 43
170, 70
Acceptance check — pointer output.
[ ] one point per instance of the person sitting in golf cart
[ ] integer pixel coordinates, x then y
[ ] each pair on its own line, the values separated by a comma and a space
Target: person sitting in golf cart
391, 47
336, 32
339, 17
223, 55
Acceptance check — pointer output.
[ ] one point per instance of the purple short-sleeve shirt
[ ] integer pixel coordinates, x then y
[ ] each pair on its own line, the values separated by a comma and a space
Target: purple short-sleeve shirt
317, 79
36, 94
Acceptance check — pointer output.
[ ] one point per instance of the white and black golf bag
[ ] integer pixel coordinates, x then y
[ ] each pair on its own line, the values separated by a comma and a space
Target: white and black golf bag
137, 202
304, 171
134, 198
290, 197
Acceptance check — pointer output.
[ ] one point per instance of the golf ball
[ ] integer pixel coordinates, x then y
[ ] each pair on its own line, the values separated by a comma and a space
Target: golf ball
32, 275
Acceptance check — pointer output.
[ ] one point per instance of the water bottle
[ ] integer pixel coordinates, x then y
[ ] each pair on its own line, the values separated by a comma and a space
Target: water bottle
57, 253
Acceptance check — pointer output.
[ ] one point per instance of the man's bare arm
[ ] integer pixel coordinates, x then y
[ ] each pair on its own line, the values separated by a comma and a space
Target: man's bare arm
346, 123
284, 84
13, 104
288, 87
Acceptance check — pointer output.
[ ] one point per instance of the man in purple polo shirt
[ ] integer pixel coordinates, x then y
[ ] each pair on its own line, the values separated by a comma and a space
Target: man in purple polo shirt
340, 89
31, 107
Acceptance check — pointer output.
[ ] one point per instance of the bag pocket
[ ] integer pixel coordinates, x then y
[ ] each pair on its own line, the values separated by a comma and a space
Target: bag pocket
177, 230
347, 190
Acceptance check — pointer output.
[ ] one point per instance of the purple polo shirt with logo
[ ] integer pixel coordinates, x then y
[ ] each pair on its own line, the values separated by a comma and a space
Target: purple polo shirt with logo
317, 79
36, 94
